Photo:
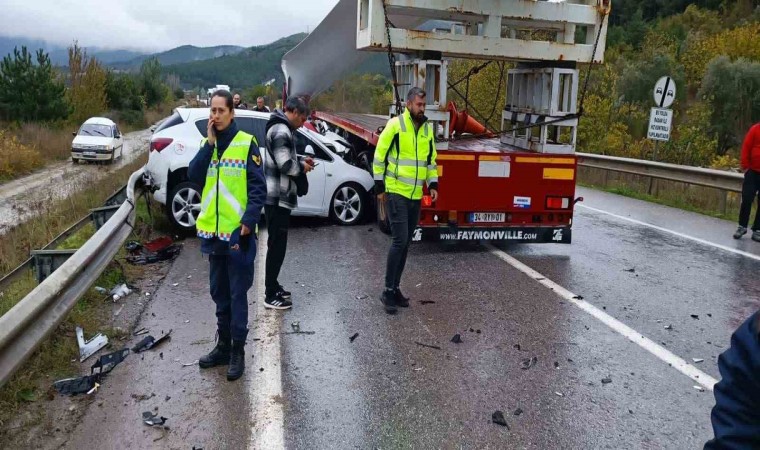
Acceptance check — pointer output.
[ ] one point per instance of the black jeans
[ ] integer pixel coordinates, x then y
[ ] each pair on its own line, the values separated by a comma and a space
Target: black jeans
404, 215
750, 191
278, 221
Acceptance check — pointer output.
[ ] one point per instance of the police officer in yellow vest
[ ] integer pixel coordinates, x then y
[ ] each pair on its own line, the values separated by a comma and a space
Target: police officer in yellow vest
228, 167
404, 161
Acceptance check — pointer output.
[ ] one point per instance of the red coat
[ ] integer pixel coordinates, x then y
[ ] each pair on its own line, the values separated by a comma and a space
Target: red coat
751, 149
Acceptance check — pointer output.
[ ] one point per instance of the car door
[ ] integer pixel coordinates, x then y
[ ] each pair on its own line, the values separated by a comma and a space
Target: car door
118, 146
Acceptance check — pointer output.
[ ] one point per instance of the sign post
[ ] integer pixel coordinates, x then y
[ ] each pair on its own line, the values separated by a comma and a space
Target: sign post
661, 118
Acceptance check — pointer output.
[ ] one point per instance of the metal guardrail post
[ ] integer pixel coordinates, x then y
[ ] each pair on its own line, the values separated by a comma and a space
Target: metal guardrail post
101, 215
45, 262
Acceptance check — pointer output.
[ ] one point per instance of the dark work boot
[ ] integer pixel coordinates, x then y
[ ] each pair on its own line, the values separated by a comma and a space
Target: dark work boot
220, 355
401, 301
389, 301
237, 361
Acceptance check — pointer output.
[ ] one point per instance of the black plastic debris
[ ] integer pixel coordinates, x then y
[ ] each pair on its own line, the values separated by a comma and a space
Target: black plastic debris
161, 249
578, 297
518, 411
527, 363
150, 342
471, 330
630, 270
75, 386
428, 346
153, 419
498, 419
556, 365
477, 331
695, 316
517, 346
356, 335
457, 339
669, 327
106, 363
426, 302
607, 380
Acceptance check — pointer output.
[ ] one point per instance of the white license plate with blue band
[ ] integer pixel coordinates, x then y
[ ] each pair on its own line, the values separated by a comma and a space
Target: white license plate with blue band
487, 217
89, 154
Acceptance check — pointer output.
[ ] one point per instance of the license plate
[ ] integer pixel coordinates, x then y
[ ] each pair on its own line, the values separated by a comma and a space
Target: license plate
89, 154
487, 217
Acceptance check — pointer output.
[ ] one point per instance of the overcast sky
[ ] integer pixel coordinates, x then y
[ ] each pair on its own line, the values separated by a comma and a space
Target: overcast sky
157, 25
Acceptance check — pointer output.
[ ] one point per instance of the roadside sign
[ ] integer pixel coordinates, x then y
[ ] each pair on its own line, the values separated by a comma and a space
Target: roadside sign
664, 92
660, 123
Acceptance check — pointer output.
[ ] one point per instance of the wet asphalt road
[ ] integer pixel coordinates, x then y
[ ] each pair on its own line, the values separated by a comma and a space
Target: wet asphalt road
385, 390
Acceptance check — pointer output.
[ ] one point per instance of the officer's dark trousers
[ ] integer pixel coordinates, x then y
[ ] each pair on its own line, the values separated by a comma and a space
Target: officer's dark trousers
750, 191
404, 214
230, 281
736, 415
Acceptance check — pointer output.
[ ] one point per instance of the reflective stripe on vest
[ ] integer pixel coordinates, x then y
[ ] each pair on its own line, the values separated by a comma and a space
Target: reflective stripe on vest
408, 170
225, 194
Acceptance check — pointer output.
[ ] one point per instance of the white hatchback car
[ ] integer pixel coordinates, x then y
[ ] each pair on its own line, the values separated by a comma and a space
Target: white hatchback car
337, 189
98, 139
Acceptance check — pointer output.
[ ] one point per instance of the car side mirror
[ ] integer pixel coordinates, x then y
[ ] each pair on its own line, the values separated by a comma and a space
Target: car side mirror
73, 133
309, 151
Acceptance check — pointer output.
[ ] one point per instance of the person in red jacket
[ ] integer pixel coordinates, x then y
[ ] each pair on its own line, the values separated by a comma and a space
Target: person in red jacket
751, 187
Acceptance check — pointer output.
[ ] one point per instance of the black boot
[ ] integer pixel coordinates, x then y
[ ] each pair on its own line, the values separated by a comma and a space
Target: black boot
220, 355
401, 301
237, 361
389, 301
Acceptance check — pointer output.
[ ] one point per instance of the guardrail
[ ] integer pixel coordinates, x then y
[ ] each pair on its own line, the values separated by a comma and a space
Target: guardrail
717, 179
31, 320
710, 178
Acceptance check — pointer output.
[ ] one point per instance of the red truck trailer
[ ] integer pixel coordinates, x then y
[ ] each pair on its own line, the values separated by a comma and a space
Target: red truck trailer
488, 190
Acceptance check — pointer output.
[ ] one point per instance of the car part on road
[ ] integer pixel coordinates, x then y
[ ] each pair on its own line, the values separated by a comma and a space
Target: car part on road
498, 418
153, 419
75, 386
428, 346
106, 363
89, 348
518, 411
184, 205
527, 363
353, 337
141, 254
150, 342
457, 339
607, 380
348, 204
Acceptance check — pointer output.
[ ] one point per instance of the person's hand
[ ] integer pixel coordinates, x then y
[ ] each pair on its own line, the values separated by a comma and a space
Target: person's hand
434, 195
381, 197
308, 165
244, 230
211, 132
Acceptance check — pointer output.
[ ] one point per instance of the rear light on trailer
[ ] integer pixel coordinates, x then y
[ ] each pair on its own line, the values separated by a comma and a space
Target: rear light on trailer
159, 144
557, 202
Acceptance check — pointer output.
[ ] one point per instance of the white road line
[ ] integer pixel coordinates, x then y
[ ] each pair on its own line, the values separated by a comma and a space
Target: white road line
675, 233
265, 388
634, 336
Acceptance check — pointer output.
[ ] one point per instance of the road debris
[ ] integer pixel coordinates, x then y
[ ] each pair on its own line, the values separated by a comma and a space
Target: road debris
668, 327
498, 418
518, 411
698, 360
428, 345
578, 297
630, 270
556, 364
101, 290
559, 394
143, 397
352, 338
106, 363
457, 339
75, 386
426, 302
161, 249
362, 297
190, 364
296, 326
607, 380
175, 284
695, 316
153, 419
120, 291
527, 363
140, 331
89, 348
149, 342
699, 388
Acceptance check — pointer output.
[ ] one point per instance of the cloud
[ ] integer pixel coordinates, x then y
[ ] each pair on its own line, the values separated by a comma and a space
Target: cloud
160, 25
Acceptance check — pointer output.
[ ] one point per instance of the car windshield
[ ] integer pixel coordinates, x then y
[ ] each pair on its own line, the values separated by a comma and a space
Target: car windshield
95, 130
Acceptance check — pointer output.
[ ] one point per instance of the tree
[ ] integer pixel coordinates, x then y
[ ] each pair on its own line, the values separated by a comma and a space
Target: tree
28, 91
87, 90
153, 89
122, 92
733, 91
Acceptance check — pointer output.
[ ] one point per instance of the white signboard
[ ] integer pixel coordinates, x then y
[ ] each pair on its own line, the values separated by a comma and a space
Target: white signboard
664, 92
660, 123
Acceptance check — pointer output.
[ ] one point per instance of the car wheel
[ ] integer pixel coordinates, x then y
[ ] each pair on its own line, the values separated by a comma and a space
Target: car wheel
348, 204
74, 160
184, 205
